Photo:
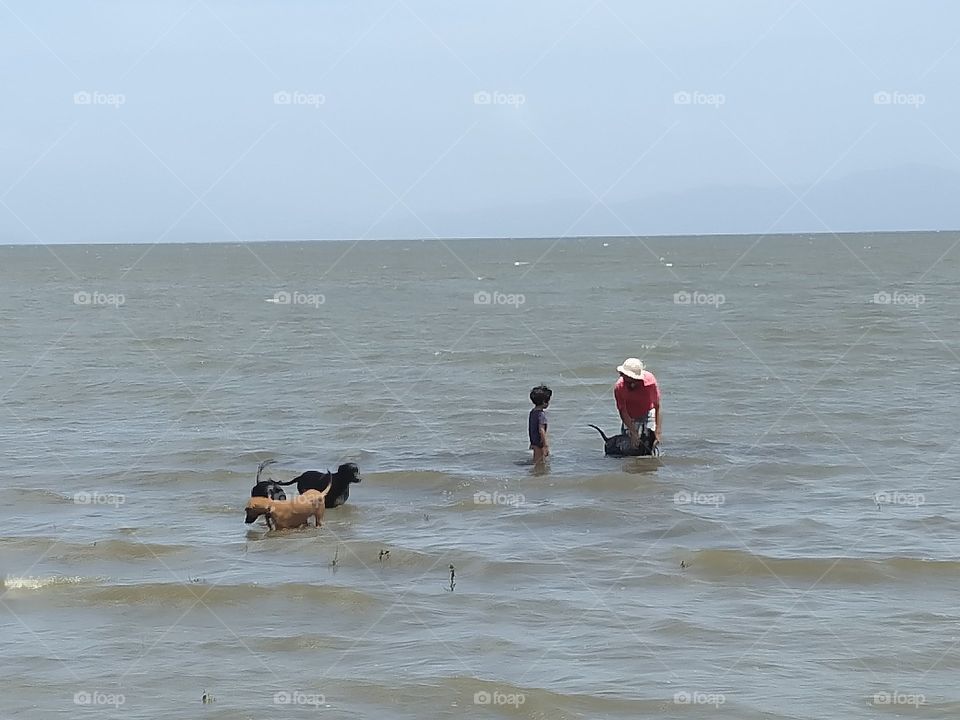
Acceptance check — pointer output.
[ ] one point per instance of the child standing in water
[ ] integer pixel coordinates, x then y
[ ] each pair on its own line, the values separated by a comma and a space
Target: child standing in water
537, 423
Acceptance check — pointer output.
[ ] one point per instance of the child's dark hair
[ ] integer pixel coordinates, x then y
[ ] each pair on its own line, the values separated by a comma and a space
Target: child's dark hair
541, 395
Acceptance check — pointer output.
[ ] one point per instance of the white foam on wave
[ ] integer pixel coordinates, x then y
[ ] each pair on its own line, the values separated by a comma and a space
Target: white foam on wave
38, 583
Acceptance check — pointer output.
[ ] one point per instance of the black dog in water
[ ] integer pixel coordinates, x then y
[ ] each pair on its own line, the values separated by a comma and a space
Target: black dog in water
339, 481
619, 445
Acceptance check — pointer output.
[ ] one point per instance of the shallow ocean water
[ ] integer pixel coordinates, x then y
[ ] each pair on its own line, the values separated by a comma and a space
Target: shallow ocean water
794, 553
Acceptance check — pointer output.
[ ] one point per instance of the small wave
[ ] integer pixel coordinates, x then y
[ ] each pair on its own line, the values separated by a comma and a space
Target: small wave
100, 550
38, 583
727, 564
326, 596
165, 341
38, 495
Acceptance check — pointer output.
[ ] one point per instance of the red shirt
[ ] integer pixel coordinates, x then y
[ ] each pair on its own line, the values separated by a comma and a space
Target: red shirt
637, 402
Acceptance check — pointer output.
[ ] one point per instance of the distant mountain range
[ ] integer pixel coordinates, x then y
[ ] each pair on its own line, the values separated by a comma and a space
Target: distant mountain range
910, 197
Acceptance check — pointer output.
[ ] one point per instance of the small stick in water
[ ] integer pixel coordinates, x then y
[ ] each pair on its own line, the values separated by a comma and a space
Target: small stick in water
453, 574
336, 554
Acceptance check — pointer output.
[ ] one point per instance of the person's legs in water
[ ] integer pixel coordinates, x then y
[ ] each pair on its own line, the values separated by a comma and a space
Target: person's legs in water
647, 430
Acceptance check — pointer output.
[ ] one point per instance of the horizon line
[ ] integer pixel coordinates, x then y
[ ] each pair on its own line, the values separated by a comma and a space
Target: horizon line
819, 233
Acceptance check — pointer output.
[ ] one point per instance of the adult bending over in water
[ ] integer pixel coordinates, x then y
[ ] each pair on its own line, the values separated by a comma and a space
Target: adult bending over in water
638, 401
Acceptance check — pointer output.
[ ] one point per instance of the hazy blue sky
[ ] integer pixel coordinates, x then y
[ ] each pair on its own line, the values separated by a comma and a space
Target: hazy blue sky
139, 121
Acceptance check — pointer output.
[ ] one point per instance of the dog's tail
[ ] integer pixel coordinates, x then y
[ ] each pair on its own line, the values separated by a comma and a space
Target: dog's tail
326, 490
605, 438
262, 465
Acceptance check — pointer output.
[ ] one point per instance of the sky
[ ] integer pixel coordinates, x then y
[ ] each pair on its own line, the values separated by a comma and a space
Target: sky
224, 121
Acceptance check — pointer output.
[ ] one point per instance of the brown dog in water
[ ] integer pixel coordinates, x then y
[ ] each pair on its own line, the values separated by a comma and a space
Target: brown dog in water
288, 514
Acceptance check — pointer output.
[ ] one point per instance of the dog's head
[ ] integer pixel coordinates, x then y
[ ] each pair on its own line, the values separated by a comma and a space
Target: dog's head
348, 473
256, 507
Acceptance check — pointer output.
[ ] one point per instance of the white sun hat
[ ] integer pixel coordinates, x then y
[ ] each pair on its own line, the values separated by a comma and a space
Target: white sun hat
632, 368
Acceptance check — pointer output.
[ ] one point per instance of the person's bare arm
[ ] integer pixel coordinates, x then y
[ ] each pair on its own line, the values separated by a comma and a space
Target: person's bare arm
659, 420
